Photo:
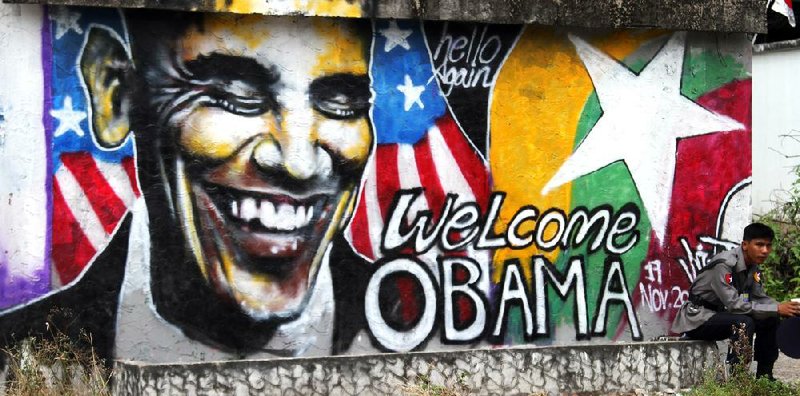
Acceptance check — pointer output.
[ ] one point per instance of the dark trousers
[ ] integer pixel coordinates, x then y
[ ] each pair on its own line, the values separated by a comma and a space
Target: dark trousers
721, 325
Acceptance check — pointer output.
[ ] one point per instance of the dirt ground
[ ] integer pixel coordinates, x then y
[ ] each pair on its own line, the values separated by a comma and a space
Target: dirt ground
787, 369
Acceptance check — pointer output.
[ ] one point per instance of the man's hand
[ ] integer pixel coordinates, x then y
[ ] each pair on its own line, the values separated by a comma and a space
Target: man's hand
789, 308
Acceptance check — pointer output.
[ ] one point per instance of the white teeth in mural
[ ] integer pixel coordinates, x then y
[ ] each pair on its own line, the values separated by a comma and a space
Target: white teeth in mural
267, 213
300, 216
285, 217
281, 217
249, 209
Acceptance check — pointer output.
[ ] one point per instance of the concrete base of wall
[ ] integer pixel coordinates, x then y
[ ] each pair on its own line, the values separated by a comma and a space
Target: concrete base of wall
602, 368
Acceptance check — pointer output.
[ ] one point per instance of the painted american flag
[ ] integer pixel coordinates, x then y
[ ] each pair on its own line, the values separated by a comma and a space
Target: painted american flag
419, 143
92, 188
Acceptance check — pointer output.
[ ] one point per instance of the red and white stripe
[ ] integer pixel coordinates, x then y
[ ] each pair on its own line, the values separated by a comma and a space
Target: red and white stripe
442, 162
784, 7
90, 197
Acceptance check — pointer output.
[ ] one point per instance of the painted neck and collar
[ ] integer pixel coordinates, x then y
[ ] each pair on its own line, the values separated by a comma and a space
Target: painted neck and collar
144, 335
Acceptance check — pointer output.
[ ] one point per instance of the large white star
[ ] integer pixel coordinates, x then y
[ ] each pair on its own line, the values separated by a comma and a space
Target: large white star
68, 119
65, 21
411, 93
643, 116
395, 36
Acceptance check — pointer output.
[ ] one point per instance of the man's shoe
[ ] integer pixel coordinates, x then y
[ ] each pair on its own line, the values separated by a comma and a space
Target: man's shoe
765, 370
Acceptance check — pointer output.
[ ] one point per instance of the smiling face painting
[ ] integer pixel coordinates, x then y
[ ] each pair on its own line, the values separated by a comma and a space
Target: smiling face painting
255, 131
272, 146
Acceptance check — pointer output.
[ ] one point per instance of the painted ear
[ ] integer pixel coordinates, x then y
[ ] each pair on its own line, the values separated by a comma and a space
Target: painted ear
105, 66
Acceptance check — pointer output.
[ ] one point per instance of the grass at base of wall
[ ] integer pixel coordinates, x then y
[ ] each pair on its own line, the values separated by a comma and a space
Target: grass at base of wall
55, 366
741, 382
422, 385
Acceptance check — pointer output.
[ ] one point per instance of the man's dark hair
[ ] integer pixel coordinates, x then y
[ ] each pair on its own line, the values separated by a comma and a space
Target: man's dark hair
758, 231
148, 28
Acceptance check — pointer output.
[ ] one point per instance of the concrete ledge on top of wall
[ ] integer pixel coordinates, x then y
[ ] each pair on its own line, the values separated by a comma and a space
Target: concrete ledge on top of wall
721, 15
603, 368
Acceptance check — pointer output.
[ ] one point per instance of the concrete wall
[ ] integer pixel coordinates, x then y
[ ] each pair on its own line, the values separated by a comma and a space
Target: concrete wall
776, 127
599, 369
718, 16
23, 181
248, 187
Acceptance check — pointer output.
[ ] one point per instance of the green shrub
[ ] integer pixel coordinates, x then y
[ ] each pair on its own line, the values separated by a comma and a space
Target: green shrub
781, 271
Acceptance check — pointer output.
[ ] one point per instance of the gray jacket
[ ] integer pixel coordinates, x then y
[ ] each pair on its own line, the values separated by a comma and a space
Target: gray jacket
731, 286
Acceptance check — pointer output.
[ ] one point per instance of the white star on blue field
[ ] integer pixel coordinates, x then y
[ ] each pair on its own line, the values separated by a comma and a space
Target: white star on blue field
407, 96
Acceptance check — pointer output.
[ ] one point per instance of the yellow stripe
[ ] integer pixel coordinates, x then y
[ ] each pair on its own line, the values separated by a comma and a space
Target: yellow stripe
335, 8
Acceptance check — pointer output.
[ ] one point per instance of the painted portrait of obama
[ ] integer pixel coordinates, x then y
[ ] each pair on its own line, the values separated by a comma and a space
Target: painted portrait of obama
252, 135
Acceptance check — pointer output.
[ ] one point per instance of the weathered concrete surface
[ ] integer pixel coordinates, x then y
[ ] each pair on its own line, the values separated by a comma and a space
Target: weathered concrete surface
613, 367
718, 15
787, 369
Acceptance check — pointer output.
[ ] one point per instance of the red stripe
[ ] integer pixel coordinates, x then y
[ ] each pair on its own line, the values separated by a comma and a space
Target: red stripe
130, 168
105, 202
387, 178
359, 227
429, 176
469, 161
71, 250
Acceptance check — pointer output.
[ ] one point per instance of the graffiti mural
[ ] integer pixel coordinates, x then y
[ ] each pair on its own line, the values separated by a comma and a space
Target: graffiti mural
225, 187
335, 8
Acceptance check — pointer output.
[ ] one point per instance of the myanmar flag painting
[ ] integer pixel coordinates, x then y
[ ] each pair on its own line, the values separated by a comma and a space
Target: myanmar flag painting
634, 148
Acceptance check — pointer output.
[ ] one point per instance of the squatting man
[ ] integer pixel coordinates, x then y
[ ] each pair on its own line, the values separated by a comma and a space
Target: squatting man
728, 294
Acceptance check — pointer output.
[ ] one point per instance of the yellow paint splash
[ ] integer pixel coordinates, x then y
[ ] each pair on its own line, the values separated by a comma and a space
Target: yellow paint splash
333, 8
345, 51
